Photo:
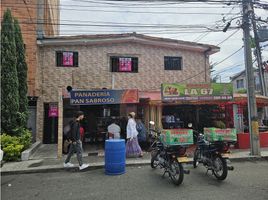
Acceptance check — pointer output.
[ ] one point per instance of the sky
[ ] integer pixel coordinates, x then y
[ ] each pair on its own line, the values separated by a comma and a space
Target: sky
195, 22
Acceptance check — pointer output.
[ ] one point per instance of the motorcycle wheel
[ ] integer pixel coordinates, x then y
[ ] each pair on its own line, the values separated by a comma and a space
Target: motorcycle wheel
195, 160
176, 172
154, 161
220, 165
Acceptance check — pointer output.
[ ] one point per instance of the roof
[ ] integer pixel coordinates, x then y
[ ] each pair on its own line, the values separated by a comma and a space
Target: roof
126, 37
240, 73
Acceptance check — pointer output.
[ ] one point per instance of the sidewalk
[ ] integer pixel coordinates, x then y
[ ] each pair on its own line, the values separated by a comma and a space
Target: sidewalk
45, 160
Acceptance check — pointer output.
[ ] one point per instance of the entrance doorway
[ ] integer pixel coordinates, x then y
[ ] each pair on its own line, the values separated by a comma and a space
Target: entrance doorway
50, 134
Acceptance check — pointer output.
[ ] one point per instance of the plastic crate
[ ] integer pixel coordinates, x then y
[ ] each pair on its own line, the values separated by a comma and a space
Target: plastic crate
177, 137
216, 134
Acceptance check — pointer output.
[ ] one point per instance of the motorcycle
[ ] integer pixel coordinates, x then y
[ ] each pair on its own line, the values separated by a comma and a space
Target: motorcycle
213, 155
170, 158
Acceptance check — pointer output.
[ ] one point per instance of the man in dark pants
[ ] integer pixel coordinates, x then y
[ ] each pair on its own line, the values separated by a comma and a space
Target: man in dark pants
76, 145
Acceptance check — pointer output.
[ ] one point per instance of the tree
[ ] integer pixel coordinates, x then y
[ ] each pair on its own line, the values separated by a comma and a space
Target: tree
22, 76
9, 77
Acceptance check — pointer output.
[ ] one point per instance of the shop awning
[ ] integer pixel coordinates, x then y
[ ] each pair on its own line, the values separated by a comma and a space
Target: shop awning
154, 97
150, 95
242, 99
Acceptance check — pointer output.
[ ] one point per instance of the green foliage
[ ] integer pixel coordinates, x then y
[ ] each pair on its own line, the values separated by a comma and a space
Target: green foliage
22, 119
22, 76
12, 152
219, 124
9, 77
13, 145
242, 91
25, 138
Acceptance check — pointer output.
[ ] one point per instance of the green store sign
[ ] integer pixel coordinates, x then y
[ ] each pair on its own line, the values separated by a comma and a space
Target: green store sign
196, 92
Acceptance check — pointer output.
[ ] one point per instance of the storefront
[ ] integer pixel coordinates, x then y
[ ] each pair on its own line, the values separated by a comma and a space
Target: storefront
241, 120
221, 109
203, 105
99, 107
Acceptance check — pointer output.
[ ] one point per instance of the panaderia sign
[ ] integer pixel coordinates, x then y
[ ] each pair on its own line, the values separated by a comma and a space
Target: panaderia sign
100, 97
202, 91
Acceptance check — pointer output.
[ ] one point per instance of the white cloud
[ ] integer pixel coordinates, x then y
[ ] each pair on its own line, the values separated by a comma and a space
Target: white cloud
83, 11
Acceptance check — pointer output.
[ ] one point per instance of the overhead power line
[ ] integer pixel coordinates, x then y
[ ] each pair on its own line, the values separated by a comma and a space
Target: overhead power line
174, 6
228, 37
215, 64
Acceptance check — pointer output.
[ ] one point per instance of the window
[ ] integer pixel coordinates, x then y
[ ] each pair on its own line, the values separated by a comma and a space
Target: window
173, 63
66, 59
257, 83
124, 64
240, 84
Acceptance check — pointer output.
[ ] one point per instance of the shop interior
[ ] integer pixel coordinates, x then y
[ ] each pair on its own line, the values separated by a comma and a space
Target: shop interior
178, 116
98, 118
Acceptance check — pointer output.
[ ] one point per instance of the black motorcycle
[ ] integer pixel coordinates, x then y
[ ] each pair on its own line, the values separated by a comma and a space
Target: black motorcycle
213, 155
170, 158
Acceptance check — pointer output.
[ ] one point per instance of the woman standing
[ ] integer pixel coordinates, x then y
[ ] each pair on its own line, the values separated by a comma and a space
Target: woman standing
133, 148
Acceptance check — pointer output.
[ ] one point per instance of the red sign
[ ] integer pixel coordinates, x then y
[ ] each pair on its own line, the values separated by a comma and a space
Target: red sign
67, 58
53, 110
125, 64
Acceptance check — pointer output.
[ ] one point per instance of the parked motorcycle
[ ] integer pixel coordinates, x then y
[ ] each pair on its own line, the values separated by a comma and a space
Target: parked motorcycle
213, 155
170, 158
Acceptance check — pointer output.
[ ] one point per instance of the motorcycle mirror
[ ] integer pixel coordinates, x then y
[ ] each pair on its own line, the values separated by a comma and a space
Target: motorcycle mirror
190, 125
151, 122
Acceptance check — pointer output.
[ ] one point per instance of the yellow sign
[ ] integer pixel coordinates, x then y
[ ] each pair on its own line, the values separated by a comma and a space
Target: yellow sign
183, 159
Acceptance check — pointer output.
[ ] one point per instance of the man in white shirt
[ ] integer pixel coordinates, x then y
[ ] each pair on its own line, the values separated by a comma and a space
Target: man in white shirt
114, 130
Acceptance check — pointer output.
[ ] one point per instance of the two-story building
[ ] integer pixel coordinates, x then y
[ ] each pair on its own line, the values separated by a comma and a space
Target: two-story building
239, 82
99, 63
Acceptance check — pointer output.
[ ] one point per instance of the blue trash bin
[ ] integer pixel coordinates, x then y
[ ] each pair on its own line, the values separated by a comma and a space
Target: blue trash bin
115, 157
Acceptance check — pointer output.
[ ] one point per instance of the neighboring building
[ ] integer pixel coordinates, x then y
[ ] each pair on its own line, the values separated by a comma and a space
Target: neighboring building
28, 13
239, 81
120, 61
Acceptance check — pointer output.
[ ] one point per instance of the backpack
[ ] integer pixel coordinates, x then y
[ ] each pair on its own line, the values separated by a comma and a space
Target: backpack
67, 130
139, 127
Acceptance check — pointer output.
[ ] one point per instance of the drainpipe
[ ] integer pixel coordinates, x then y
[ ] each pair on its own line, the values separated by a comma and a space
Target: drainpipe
40, 19
206, 56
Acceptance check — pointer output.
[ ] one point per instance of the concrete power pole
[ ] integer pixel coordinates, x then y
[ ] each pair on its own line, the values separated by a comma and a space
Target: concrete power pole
259, 61
252, 107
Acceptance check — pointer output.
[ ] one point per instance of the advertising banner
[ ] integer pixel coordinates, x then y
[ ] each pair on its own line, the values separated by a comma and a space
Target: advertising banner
67, 58
100, 97
196, 92
53, 110
125, 64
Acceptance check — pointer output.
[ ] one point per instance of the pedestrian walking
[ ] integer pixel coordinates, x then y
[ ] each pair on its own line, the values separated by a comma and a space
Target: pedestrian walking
142, 134
133, 148
76, 145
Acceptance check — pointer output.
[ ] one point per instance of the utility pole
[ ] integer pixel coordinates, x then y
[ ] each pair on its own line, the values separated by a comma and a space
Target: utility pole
252, 107
259, 60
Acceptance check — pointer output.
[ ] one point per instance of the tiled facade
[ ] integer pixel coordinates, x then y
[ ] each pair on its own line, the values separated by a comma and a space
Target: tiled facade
94, 69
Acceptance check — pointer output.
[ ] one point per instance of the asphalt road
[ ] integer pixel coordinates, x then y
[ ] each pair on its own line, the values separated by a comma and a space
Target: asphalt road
249, 181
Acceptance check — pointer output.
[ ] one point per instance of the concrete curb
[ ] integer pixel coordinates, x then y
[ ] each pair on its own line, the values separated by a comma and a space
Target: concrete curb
25, 155
57, 168
100, 165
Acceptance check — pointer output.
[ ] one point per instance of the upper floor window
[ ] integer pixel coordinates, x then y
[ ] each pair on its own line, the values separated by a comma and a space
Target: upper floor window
240, 84
173, 63
123, 64
66, 59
